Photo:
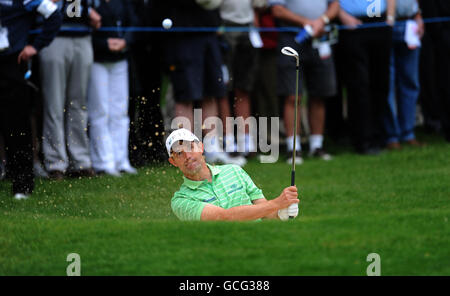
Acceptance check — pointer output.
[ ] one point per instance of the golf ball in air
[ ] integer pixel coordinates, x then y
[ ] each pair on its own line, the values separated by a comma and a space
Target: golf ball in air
167, 23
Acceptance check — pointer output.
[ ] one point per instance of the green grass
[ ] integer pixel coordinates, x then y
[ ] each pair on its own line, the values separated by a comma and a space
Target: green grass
396, 205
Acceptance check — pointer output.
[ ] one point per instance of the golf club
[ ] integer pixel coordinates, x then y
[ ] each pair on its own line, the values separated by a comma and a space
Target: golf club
289, 51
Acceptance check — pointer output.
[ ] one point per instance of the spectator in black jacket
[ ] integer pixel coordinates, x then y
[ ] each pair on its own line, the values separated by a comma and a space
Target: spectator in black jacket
16, 18
65, 70
108, 90
435, 68
145, 68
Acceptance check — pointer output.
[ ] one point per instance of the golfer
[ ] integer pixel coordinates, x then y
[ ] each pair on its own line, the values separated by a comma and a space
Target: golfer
222, 192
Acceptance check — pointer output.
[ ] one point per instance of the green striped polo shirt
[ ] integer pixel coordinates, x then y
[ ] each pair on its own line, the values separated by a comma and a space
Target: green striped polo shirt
231, 186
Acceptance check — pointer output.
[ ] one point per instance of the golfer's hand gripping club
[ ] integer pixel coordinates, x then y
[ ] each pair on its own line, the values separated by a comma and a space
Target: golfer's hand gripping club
288, 201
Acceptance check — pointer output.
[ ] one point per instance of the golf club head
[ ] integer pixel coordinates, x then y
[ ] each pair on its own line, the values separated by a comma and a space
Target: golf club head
289, 51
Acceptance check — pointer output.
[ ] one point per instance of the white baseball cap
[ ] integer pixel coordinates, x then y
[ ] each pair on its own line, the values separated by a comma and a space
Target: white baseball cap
181, 134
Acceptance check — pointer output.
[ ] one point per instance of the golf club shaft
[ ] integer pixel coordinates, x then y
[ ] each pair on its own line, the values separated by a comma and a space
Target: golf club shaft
295, 126
295, 123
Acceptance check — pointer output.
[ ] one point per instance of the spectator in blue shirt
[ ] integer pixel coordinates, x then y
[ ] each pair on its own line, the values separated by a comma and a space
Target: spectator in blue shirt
400, 116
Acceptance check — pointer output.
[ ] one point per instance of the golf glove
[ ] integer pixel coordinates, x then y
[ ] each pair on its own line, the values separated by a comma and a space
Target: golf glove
291, 211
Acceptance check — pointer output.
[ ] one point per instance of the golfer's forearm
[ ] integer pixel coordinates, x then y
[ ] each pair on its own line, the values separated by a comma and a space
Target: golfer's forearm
250, 212
280, 12
273, 215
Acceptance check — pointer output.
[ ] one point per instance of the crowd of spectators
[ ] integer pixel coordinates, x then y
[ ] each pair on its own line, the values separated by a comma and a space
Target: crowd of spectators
95, 100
